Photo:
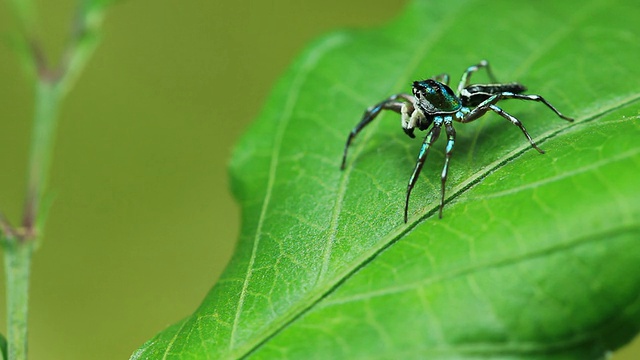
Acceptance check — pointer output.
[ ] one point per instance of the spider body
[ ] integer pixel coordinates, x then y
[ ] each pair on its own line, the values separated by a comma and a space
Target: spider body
435, 105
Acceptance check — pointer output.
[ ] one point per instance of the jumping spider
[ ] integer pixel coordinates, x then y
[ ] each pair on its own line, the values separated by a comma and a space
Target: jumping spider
434, 103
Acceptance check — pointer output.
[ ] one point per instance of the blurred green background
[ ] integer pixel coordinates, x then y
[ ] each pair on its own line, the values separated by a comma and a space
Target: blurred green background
143, 222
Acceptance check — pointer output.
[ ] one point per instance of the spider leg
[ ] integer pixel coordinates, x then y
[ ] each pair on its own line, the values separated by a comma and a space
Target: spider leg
431, 137
537, 98
489, 104
517, 123
466, 76
451, 139
442, 78
390, 103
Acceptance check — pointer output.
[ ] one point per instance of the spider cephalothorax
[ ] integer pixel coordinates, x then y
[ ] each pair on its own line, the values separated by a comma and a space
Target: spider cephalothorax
434, 105
433, 97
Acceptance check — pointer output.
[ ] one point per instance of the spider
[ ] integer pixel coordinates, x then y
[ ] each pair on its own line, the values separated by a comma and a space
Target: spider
434, 104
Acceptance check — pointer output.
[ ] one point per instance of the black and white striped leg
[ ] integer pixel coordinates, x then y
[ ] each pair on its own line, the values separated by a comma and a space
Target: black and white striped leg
536, 98
481, 109
517, 123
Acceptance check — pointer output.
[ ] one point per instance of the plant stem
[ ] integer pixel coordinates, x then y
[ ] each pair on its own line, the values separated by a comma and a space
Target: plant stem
44, 126
17, 262
50, 86
19, 247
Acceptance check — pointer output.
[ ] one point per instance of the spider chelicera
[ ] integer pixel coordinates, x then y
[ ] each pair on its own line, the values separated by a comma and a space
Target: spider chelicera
434, 104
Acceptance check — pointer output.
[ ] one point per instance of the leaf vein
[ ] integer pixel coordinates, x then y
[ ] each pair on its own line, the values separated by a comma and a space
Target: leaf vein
493, 263
293, 93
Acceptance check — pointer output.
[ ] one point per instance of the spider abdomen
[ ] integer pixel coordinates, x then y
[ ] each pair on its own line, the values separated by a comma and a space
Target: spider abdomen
473, 95
513, 87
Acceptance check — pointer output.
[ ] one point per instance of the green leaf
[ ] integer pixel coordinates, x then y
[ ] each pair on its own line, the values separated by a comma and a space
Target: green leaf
536, 256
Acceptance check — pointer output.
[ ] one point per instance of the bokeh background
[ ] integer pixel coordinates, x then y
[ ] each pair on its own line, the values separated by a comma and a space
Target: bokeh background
143, 222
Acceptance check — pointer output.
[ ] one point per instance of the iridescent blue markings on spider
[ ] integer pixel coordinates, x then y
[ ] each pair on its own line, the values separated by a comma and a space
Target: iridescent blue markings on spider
435, 104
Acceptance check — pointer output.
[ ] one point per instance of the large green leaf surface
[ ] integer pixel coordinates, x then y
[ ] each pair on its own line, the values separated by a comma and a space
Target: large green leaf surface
536, 257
